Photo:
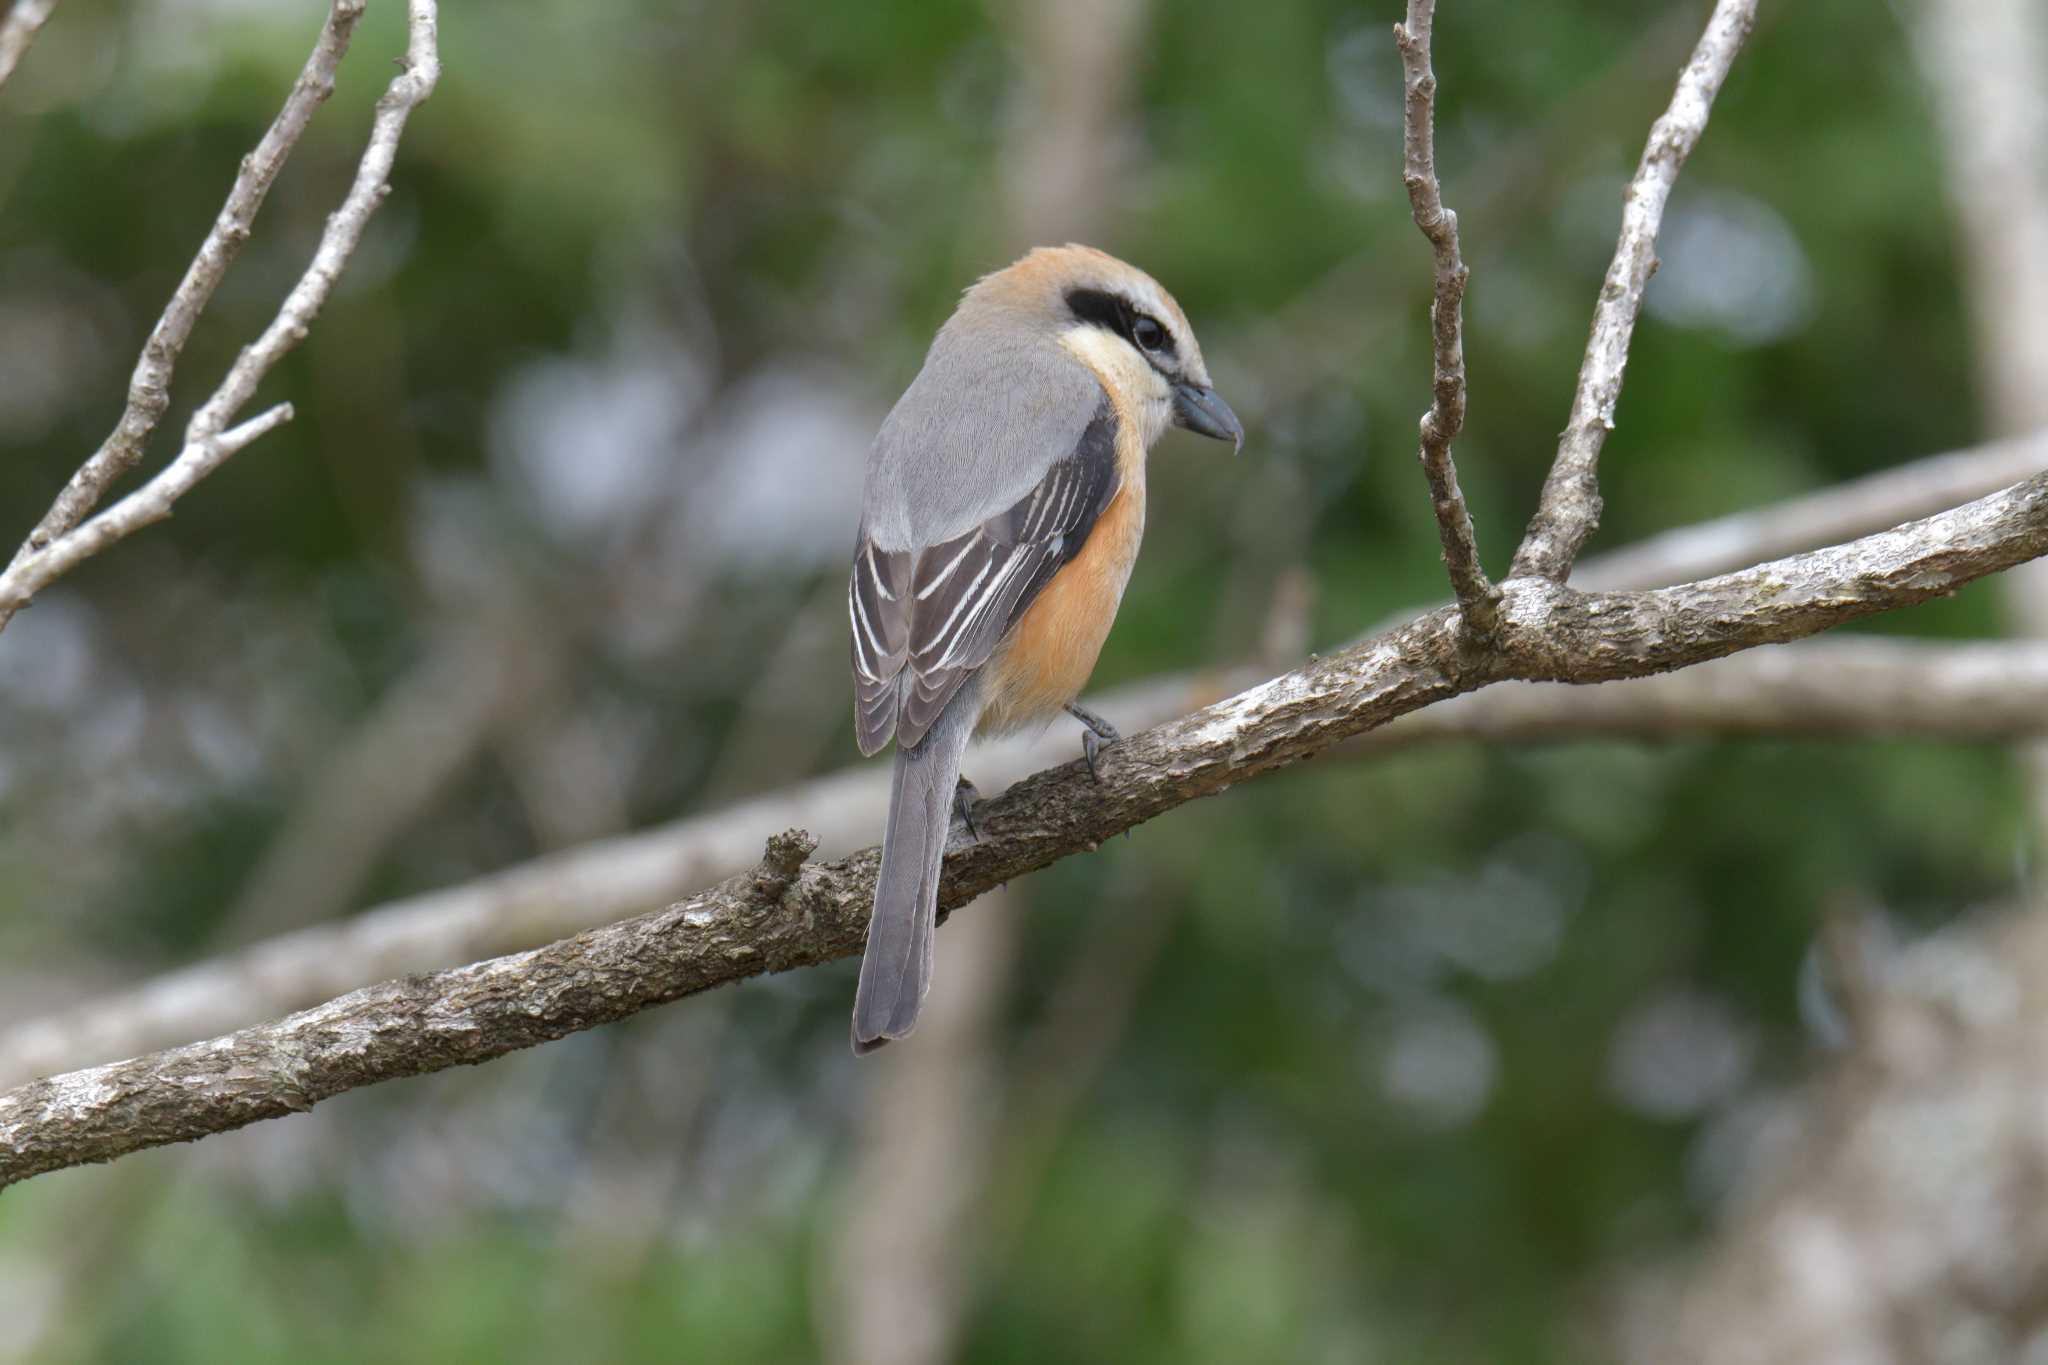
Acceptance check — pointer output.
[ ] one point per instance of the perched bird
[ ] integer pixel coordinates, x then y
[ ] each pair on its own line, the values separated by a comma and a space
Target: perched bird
1005, 500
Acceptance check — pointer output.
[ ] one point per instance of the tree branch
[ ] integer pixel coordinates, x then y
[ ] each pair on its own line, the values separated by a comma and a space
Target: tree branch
519, 907
149, 388
578, 888
1478, 599
24, 20
1570, 506
785, 914
59, 542
149, 504
1860, 687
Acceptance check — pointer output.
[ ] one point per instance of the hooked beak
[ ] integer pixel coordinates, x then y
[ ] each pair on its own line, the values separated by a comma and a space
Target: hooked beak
1204, 412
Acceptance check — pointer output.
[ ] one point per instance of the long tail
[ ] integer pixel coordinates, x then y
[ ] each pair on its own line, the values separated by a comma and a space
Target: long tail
896, 971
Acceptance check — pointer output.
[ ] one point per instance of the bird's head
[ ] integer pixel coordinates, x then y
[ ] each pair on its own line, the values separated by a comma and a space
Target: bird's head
1119, 321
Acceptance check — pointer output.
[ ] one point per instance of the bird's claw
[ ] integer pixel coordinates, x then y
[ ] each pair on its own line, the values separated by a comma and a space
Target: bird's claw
965, 794
1095, 733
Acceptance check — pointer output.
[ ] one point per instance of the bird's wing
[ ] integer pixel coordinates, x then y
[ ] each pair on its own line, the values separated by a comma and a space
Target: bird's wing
925, 620
878, 600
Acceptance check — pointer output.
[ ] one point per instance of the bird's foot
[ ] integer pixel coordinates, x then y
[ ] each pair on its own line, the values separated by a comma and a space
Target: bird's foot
965, 794
1095, 733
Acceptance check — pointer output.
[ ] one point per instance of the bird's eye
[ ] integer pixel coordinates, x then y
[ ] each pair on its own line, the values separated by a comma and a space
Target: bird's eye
1148, 334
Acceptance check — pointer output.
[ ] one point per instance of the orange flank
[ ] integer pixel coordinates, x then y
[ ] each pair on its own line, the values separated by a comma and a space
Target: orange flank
1047, 659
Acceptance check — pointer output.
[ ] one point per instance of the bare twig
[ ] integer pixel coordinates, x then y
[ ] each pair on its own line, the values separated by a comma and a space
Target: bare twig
25, 18
1570, 505
1477, 598
422, 68
148, 504
149, 388
1339, 315
59, 543
785, 914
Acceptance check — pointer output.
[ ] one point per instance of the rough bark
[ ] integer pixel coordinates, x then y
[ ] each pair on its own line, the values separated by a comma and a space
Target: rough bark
1478, 599
787, 914
1844, 687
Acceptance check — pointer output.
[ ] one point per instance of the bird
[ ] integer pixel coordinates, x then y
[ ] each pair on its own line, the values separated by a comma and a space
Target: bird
1003, 507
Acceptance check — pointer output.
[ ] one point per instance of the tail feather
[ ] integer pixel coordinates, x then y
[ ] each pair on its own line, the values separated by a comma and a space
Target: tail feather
896, 970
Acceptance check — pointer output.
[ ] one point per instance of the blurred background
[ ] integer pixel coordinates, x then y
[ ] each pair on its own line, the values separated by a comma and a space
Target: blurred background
1446, 1055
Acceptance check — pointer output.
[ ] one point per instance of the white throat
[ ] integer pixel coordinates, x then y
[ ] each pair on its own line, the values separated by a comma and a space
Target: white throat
1131, 380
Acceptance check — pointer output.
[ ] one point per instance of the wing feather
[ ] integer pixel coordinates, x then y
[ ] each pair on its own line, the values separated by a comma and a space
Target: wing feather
875, 602
924, 621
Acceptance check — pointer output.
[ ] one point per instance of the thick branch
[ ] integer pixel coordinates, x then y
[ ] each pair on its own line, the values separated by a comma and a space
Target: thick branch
1477, 598
59, 542
1570, 506
1860, 687
595, 883
548, 897
24, 20
781, 916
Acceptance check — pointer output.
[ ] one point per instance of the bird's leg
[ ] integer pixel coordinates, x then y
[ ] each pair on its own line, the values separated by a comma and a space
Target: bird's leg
965, 795
1095, 733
